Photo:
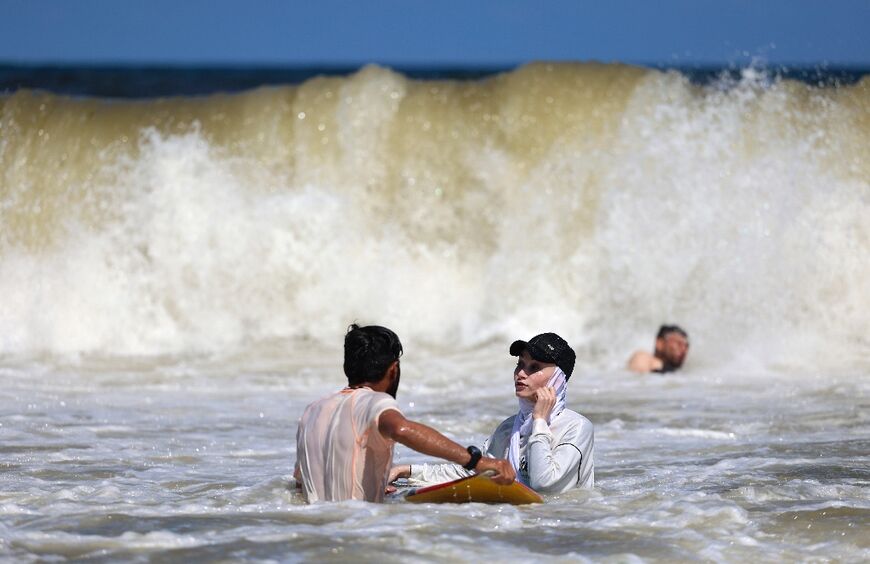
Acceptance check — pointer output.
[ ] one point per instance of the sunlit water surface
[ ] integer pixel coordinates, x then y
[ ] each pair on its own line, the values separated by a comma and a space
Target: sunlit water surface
143, 241
190, 460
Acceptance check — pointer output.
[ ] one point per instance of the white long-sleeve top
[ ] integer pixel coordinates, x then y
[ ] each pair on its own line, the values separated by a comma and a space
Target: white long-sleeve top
556, 458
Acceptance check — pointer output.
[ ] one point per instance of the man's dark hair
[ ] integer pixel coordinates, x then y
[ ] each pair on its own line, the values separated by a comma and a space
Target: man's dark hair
666, 330
368, 352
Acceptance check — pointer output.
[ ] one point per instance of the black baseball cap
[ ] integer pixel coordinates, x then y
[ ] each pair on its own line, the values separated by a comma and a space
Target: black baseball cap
548, 347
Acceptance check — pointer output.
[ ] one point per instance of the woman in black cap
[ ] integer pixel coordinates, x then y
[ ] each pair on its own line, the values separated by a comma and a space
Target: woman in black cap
549, 446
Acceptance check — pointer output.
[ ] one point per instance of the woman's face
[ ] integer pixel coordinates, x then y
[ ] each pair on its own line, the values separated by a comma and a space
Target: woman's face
531, 375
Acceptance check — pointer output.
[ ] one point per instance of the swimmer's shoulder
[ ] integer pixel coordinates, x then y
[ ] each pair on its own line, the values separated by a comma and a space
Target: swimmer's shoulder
643, 362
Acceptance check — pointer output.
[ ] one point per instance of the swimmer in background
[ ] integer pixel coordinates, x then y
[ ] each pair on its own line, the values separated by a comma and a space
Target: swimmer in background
671, 348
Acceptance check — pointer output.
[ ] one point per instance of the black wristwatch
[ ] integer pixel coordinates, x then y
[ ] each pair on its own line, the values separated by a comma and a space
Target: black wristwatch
475, 457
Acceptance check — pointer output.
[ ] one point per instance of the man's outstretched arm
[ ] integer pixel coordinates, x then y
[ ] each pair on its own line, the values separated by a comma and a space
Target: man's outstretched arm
393, 425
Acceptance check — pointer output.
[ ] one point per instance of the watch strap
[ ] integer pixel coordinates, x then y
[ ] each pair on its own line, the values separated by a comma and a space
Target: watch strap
476, 455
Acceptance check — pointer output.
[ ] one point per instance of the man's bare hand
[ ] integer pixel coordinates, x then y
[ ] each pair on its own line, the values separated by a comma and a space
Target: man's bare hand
504, 472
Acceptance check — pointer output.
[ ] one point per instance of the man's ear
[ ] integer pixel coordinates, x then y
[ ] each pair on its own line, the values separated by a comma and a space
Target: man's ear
390, 374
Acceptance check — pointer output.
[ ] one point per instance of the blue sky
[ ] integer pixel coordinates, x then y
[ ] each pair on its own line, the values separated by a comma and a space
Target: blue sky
430, 33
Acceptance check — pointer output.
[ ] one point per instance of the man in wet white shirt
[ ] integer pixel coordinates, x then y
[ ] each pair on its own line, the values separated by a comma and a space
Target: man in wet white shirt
549, 446
344, 442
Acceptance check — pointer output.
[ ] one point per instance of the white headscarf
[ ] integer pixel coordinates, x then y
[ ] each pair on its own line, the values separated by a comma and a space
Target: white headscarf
523, 420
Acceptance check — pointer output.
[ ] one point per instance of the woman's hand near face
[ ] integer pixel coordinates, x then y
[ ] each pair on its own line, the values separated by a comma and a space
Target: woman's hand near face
545, 400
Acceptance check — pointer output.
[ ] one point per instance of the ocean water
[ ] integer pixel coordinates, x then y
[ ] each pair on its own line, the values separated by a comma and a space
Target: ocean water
177, 273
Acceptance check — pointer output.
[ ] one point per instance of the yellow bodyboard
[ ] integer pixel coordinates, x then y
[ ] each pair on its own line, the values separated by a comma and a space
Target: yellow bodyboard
479, 489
